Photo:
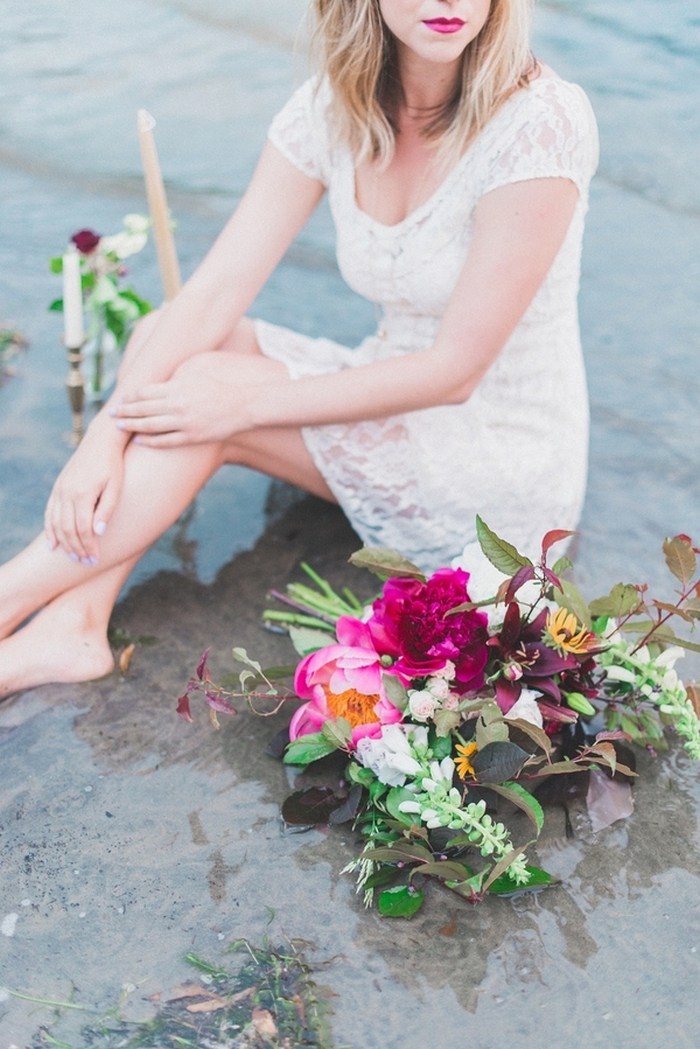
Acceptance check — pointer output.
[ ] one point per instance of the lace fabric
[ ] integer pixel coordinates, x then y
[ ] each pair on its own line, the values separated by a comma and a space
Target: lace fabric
516, 451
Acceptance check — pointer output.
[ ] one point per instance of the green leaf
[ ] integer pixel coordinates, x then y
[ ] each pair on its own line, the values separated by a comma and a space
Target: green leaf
143, 305
441, 746
562, 565
666, 635
400, 852
241, 655
517, 795
445, 721
536, 734
505, 885
308, 748
680, 558
490, 725
503, 864
384, 561
56, 306
400, 902
620, 601
382, 876
306, 640
501, 554
571, 598
498, 762
470, 887
396, 691
445, 870
104, 291
394, 798
338, 732
358, 774
56, 264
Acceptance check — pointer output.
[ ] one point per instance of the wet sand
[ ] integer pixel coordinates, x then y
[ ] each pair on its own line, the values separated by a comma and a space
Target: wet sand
128, 837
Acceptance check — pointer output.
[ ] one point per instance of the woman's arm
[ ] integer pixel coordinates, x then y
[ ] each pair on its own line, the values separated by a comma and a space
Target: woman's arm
276, 205
518, 231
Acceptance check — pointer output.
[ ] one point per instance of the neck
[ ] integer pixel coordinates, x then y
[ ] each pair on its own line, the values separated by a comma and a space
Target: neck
426, 85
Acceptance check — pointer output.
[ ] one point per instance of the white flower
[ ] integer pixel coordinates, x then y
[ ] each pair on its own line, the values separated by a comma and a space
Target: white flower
123, 244
452, 701
448, 671
438, 687
669, 656
527, 708
136, 223
615, 673
422, 705
390, 757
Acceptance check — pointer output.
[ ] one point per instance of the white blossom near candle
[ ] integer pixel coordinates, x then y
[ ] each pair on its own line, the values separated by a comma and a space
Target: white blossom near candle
158, 207
74, 334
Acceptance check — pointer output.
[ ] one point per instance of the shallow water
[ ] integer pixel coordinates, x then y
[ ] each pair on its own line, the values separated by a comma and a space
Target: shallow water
176, 845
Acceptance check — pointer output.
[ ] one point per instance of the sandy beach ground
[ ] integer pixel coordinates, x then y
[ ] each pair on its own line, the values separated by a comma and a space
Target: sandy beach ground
127, 837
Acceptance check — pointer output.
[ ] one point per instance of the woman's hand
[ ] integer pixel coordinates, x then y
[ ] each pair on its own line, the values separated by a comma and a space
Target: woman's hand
84, 497
204, 402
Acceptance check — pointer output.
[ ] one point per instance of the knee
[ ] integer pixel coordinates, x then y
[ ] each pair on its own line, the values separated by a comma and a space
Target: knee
141, 331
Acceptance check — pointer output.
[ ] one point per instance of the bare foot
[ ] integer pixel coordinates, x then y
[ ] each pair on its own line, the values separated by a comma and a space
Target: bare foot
59, 645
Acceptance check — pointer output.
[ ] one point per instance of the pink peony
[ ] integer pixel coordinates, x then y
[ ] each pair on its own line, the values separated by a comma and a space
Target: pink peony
343, 680
410, 623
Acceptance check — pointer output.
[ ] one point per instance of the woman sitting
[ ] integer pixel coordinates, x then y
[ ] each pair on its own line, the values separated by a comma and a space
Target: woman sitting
457, 168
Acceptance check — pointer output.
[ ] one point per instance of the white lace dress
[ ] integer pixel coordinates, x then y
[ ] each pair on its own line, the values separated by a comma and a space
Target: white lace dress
516, 451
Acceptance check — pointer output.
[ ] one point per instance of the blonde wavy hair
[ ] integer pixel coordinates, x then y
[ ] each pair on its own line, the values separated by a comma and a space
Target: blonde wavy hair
357, 53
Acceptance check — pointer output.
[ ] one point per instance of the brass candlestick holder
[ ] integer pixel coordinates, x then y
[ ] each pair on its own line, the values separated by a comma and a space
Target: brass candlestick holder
75, 384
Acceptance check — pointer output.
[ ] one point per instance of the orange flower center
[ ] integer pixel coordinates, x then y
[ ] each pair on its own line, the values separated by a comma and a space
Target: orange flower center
354, 706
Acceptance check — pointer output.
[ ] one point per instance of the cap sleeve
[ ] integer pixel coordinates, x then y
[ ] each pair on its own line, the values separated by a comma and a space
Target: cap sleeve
300, 130
552, 133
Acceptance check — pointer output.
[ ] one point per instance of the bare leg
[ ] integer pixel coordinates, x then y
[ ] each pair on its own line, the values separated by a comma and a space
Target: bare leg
66, 641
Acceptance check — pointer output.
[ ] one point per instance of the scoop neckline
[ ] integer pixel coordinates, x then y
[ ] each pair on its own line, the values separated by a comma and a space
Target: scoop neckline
440, 188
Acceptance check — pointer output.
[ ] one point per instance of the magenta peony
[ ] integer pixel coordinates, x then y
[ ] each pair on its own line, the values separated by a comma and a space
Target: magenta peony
85, 240
410, 623
343, 680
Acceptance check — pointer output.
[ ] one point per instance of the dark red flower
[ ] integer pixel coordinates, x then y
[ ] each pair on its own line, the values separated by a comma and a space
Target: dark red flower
410, 623
85, 240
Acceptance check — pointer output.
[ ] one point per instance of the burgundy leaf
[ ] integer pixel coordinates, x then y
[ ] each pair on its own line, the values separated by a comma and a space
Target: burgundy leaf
554, 579
555, 536
219, 704
522, 576
202, 672
183, 707
310, 807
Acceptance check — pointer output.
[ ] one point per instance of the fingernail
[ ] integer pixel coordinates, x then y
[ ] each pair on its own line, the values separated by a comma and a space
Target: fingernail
50, 544
92, 561
73, 556
137, 440
120, 424
100, 527
112, 412
87, 561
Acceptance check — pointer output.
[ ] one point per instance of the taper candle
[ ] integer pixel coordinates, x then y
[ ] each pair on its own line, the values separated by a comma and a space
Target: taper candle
73, 331
158, 207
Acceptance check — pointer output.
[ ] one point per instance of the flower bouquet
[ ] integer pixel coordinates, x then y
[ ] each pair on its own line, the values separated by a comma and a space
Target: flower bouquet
452, 712
113, 309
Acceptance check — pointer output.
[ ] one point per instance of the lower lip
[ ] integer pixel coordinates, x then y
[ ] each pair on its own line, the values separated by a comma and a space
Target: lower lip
444, 27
